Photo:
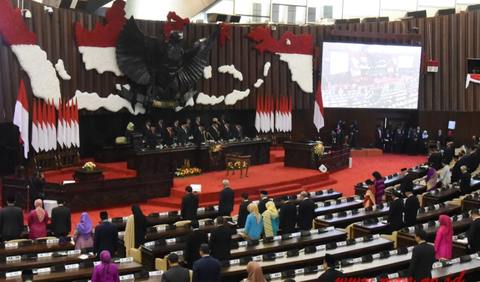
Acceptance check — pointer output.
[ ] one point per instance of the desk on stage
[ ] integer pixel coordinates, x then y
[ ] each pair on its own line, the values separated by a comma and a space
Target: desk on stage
158, 161
299, 155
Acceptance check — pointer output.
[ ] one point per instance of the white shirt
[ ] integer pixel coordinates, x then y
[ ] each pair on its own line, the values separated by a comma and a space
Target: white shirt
445, 175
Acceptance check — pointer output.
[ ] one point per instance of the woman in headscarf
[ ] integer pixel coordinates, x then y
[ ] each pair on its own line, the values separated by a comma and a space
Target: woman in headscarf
370, 199
255, 273
135, 230
432, 178
424, 149
83, 234
379, 186
444, 239
254, 223
270, 220
106, 271
37, 221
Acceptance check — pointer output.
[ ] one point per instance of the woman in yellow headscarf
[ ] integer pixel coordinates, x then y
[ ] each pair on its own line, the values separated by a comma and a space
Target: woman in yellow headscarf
254, 223
270, 220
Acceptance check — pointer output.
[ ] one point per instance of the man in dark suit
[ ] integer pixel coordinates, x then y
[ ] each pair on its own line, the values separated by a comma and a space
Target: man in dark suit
262, 205
449, 152
220, 241
397, 141
11, 221
395, 213
198, 137
306, 212
465, 181
435, 158
61, 220
440, 139
175, 273
146, 128
238, 132
168, 137
189, 127
411, 209
182, 135
206, 269
176, 127
288, 214
473, 234
379, 138
194, 240
243, 211
151, 140
213, 133
406, 184
225, 131
106, 236
227, 199
423, 257
330, 274
189, 204
37, 183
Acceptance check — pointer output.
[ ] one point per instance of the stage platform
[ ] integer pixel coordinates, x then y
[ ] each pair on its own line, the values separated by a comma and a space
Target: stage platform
274, 178
366, 152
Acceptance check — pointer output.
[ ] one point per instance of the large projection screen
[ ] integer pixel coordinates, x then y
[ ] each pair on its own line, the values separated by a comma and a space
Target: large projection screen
370, 76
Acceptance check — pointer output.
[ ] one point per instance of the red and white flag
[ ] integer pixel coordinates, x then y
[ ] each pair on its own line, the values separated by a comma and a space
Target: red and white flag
290, 115
277, 120
258, 125
35, 143
45, 126
68, 126
272, 115
284, 114
60, 125
318, 114
262, 114
76, 127
20, 118
41, 145
53, 135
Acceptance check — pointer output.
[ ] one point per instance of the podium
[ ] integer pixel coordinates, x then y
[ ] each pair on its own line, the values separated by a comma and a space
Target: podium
299, 154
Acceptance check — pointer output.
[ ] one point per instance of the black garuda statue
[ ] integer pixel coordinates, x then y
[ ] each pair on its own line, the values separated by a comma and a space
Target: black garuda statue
167, 70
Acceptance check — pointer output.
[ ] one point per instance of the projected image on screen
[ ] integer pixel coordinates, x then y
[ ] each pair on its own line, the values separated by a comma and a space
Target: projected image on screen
370, 76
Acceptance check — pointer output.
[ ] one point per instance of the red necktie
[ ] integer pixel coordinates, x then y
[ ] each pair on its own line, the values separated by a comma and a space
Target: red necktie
170, 133
380, 133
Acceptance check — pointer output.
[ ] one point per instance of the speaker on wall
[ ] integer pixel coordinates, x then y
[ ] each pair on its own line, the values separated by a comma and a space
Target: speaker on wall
444, 12
353, 21
472, 8
417, 14
340, 21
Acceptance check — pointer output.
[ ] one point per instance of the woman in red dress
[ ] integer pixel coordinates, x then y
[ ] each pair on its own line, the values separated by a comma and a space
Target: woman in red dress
37, 221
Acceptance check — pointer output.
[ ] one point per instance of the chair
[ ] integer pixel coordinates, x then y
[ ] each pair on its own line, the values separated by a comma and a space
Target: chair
182, 223
191, 275
120, 140
420, 199
204, 220
161, 264
136, 254
392, 237
456, 201
348, 230
47, 238
17, 241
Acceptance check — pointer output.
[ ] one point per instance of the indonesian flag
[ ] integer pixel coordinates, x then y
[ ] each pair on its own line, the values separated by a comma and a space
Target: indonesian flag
318, 114
53, 136
41, 144
284, 114
473, 78
34, 142
76, 132
46, 145
20, 118
68, 127
60, 134
277, 127
257, 116
290, 115
272, 117
262, 114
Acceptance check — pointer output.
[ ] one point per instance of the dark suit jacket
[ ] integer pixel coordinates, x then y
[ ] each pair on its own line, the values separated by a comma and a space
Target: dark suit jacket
473, 234
176, 274
423, 256
411, 210
198, 135
395, 215
224, 134
11, 223
436, 159
306, 212
175, 129
213, 134
189, 206
194, 240
167, 139
182, 136
151, 140
288, 214
448, 154
61, 220
220, 243
207, 269
465, 183
105, 238
330, 275
441, 139
406, 185
242, 214
225, 204
238, 134
262, 205
145, 130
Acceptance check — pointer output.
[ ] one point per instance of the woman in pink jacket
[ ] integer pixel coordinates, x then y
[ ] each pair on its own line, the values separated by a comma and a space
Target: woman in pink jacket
444, 239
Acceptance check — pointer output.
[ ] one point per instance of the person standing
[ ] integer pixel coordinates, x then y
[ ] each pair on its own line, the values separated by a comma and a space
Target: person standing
227, 200
473, 233
412, 204
255, 273
444, 238
175, 272
135, 230
206, 269
306, 212
440, 140
238, 133
214, 134
106, 236
83, 234
254, 224
379, 138
270, 220
243, 211
61, 223
398, 141
151, 139
445, 178
220, 240
406, 184
465, 181
105, 271
432, 178
435, 158
263, 201
370, 195
182, 135
330, 274
288, 214
423, 257
37, 183
395, 213
146, 128
11, 221
225, 132
379, 186
189, 205
449, 152
194, 240
37, 221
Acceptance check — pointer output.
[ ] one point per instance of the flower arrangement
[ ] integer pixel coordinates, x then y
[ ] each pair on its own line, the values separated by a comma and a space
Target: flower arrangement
187, 170
89, 166
216, 148
237, 165
318, 150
